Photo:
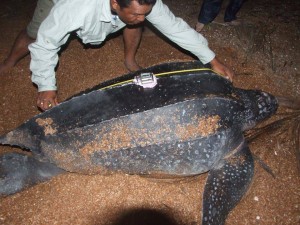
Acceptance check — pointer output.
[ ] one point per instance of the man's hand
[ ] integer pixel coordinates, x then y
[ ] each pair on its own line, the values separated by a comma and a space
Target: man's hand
221, 69
46, 100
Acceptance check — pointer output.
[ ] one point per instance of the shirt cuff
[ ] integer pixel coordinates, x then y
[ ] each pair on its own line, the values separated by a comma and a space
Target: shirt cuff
46, 88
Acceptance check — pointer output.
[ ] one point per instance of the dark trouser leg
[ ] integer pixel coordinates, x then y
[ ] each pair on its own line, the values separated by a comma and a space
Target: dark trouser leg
209, 11
232, 9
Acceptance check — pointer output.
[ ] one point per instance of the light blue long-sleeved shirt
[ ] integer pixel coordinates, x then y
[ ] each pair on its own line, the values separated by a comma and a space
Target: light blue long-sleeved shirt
92, 21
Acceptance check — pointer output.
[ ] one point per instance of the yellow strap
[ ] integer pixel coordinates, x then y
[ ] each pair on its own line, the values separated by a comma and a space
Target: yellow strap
159, 74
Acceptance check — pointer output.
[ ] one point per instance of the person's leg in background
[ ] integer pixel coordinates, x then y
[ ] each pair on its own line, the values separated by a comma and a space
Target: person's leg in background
26, 36
231, 11
209, 11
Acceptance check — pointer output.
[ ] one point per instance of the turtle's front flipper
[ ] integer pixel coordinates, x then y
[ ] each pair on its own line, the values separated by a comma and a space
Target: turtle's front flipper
18, 171
226, 184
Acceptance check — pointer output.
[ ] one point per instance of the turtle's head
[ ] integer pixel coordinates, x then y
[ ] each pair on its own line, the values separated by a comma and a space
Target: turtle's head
259, 106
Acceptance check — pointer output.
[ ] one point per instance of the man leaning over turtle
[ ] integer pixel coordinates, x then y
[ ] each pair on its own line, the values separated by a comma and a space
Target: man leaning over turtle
93, 20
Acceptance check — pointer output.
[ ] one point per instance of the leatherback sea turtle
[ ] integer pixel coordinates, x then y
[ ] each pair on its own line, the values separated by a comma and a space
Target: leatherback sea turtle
185, 120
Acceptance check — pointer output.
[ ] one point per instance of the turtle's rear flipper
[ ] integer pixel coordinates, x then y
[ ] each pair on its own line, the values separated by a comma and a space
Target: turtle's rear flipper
18, 171
226, 184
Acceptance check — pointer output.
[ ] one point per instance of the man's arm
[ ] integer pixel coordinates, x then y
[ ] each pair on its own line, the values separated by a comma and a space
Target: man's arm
53, 33
183, 35
132, 38
44, 59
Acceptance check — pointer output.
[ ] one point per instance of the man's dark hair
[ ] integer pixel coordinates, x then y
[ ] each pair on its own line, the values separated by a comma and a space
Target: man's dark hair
126, 3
